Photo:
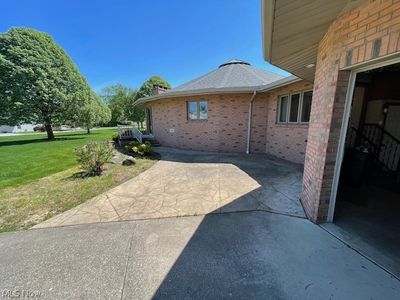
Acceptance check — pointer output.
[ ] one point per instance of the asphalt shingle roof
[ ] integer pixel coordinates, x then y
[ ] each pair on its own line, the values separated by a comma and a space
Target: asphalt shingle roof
232, 74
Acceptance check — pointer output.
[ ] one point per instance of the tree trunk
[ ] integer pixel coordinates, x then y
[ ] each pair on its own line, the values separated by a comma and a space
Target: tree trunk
49, 130
88, 130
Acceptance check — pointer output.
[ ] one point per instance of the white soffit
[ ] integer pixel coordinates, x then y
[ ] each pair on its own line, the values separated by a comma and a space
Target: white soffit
292, 31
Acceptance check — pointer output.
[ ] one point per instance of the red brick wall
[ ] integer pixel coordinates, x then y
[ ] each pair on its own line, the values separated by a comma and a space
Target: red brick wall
354, 31
233, 113
225, 130
258, 136
287, 141
226, 127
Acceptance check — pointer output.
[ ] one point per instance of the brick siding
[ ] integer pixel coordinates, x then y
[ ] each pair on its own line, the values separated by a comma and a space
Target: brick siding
287, 141
226, 127
353, 35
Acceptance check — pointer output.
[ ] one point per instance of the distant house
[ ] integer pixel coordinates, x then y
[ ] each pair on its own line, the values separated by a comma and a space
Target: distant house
17, 128
234, 108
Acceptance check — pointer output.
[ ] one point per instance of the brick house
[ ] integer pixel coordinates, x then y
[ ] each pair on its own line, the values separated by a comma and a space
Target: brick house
339, 114
329, 43
330, 47
233, 108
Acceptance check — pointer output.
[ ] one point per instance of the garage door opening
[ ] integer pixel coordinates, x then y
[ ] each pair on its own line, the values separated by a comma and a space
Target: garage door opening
367, 212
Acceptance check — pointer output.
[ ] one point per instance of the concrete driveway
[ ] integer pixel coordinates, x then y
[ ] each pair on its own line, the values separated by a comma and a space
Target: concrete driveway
248, 255
188, 183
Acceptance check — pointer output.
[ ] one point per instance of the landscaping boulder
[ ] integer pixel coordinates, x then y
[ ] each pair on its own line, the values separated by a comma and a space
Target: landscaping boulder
129, 161
117, 159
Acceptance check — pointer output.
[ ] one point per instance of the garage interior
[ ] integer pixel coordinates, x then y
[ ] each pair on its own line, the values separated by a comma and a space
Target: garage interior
367, 212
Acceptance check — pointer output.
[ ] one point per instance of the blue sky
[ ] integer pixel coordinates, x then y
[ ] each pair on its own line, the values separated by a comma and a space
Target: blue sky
127, 41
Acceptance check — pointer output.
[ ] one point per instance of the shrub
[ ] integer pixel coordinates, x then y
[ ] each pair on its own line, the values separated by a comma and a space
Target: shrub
133, 144
142, 149
93, 156
114, 137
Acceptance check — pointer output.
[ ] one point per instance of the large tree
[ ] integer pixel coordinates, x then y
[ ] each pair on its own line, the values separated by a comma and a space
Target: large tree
137, 113
94, 112
38, 81
119, 99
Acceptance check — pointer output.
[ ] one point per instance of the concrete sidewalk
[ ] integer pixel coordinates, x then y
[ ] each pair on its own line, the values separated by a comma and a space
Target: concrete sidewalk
250, 255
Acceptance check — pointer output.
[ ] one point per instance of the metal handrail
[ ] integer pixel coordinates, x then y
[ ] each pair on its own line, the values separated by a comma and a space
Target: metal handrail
383, 131
390, 163
388, 145
361, 135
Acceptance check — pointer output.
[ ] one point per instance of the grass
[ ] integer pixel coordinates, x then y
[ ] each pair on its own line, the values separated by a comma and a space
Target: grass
41, 178
23, 206
26, 158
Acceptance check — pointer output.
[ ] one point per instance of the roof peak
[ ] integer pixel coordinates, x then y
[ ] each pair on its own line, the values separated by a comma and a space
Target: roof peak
234, 62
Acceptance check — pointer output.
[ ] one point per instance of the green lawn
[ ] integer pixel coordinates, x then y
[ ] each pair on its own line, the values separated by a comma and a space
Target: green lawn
24, 206
26, 158
40, 178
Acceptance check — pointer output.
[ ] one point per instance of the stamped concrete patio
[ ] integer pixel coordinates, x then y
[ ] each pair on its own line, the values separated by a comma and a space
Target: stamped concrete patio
187, 183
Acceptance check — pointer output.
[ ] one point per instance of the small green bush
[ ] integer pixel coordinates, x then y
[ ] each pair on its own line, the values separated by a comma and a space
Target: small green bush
133, 144
142, 149
114, 137
92, 156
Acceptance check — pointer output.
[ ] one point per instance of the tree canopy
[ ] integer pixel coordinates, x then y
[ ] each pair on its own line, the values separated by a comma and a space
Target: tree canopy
146, 90
38, 81
94, 112
147, 87
119, 99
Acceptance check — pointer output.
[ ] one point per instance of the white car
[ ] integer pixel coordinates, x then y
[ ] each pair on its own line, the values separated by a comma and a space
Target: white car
61, 128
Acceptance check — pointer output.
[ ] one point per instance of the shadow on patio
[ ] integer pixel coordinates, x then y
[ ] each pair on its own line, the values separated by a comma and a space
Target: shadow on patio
187, 183
265, 182
253, 254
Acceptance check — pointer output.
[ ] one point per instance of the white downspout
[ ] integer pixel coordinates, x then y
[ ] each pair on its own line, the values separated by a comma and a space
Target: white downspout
249, 121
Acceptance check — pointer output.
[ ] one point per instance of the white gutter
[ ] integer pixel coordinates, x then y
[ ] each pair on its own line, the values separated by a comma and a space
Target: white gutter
207, 91
249, 121
210, 91
279, 83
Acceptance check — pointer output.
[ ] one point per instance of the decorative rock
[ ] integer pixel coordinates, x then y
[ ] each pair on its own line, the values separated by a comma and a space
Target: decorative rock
116, 159
129, 161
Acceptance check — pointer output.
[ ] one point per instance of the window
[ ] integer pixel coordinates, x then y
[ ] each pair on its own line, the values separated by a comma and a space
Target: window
306, 107
192, 110
197, 110
295, 108
283, 109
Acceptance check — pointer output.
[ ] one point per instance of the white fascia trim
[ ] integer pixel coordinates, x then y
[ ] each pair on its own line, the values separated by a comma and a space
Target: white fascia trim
172, 94
279, 83
261, 88
267, 23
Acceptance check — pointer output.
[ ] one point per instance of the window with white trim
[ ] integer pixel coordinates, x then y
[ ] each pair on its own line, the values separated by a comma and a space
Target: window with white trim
197, 110
294, 108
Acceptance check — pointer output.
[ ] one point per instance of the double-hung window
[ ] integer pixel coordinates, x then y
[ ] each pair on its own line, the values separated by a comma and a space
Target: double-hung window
295, 108
197, 110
